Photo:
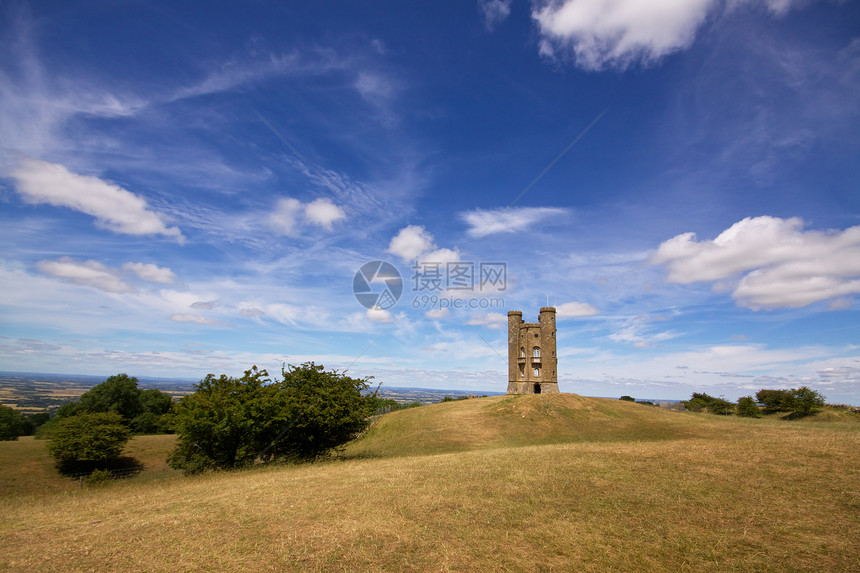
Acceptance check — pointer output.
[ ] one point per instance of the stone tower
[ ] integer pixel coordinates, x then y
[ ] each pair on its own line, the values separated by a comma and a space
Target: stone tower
532, 363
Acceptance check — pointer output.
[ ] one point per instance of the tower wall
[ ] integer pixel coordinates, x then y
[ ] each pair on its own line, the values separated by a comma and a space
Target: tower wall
532, 361
515, 319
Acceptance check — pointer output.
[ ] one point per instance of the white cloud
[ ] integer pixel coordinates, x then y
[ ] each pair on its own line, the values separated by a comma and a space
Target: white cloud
441, 256
151, 273
324, 213
483, 222
575, 309
491, 320
113, 207
283, 219
774, 261
377, 314
437, 313
617, 33
494, 12
87, 273
290, 213
195, 319
284, 313
411, 242
374, 87
251, 311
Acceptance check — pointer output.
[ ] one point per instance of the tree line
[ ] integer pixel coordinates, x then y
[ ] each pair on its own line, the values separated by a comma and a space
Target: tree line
798, 402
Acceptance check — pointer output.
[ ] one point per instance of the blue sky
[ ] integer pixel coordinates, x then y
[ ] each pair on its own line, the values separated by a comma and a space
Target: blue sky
189, 188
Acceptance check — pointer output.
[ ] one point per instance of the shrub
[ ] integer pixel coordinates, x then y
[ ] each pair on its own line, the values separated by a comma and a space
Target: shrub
805, 401
628, 398
230, 422
775, 400
99, 478
748, 408
799, 401
85, 441
721, 407
11, 423
142, 411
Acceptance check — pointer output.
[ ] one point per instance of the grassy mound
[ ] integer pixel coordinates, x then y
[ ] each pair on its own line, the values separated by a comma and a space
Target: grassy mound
508, 421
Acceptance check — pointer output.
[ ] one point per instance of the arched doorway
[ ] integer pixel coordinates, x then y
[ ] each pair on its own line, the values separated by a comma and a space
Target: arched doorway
537, 389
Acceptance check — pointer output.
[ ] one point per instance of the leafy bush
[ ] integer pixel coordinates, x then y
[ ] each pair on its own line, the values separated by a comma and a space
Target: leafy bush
230, 422
628, 398
142, 411
701, 401
11, 423
721, 407
747, 408
86, 441
800, 401
775, 400
99, 478
806, 401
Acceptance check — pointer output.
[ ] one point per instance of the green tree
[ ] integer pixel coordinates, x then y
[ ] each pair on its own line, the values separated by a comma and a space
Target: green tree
33, 422
805, 401
721, 407
118, 394
776, 400
88, 440
628, 398
11, 423
224, 423
230, 422
747, 408
322, 410
156, 417
143, 411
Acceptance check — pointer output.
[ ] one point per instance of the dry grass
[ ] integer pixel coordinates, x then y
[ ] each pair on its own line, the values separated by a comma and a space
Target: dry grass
702, 493
26, 468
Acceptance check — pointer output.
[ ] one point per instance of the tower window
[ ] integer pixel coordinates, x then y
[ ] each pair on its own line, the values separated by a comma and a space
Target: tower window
536, 352
537, 372
536, 335
522, 352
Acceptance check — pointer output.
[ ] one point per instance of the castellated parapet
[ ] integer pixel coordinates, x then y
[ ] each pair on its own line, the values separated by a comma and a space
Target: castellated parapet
532, 363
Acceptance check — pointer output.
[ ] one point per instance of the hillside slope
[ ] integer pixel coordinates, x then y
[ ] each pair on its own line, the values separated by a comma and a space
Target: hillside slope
604, 486
505, 421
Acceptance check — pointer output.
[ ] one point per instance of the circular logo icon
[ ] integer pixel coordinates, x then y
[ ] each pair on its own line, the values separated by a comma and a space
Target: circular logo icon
377, 284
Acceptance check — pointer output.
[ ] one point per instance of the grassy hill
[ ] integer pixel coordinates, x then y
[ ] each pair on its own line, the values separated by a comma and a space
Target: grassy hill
528, 483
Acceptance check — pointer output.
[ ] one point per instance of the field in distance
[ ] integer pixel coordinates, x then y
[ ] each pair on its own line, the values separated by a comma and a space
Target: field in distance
524, 483
30, 393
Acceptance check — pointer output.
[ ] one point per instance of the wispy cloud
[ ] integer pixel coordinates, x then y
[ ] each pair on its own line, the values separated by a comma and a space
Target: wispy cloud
575, 310
510, 220
196, 319
494, 12
116, 209
150, 272
491, 320
86, 273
